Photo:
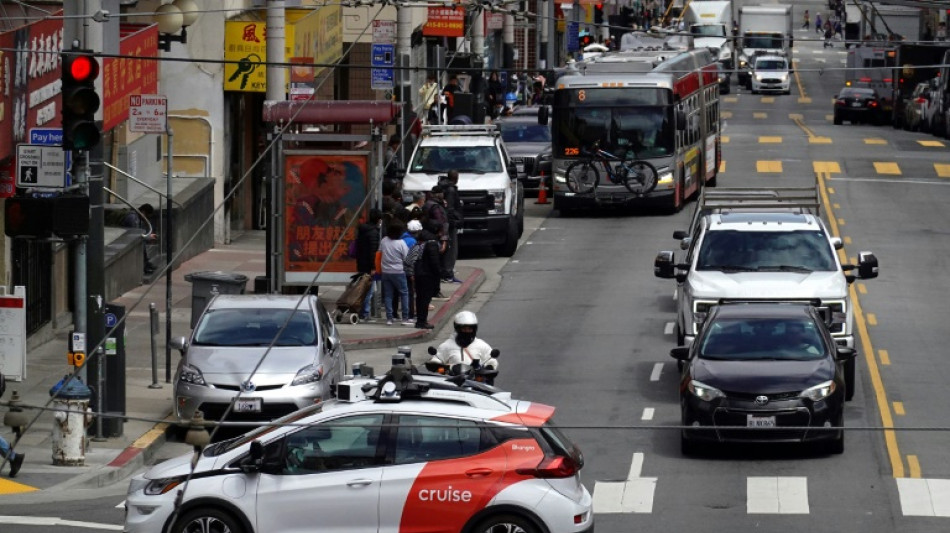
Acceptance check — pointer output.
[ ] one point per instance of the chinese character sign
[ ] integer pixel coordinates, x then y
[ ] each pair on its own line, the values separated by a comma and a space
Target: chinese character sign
445, 22
322, 193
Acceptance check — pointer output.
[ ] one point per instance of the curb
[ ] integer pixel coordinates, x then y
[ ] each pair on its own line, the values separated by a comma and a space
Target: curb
439, 318
135, 456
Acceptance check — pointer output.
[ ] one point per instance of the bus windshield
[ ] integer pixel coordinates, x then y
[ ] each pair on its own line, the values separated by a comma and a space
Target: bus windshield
620, 124
763, 41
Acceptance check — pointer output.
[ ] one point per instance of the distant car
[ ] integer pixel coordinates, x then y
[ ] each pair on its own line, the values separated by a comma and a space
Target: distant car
528, 144
919, 111
857, 104
770, 73
295, 342
724, 79
763, 372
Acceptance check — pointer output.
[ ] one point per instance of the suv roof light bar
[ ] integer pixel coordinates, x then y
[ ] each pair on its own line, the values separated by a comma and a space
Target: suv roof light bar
473, 130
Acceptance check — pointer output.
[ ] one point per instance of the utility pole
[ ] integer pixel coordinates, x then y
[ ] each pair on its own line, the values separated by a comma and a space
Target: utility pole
404, 78
276, 76
541, 33
551, 35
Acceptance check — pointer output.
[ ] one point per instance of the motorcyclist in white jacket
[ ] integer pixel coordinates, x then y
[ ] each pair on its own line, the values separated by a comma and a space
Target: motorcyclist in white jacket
464, 346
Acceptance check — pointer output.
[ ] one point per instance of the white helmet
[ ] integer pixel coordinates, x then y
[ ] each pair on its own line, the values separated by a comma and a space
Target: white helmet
469, 322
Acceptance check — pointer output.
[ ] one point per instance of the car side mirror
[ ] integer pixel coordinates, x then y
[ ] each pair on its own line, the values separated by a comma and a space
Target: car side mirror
663, 266
180, 344
837, 243
867, 265
512, 170
844, 353
543, 115
680, 234
680, 353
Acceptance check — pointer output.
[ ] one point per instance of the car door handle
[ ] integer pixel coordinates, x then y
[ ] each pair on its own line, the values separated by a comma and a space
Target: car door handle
478, 472
359, 482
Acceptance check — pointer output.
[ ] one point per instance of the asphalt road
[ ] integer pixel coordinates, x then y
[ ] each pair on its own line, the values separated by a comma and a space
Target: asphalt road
583, 325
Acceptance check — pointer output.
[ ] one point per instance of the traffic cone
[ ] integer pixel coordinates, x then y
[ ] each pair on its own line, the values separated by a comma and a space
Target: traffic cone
543, 192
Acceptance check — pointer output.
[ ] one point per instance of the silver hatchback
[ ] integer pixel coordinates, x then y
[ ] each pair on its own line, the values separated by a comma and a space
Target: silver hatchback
294, 340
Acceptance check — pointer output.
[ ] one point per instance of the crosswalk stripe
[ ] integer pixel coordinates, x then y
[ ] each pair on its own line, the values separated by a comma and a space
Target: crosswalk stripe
768, 166
875, 141
924, 497
942, 169
760, 115
777, 495
770, 140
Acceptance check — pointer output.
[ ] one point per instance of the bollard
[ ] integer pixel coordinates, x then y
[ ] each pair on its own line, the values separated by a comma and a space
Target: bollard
153, 331
71, 406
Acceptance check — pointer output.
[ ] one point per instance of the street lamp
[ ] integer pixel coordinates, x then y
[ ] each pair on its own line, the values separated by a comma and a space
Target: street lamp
173, 18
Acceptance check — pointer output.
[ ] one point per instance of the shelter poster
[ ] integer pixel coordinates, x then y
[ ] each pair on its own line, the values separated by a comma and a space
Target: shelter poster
322, 193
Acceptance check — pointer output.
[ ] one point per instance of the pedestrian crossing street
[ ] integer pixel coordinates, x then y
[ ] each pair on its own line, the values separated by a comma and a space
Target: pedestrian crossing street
765, 495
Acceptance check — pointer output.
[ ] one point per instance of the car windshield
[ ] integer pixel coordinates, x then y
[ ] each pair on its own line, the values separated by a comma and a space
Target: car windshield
760, 339
771, 64
441, 159
708, 30
255, 327
513, 132
766, 251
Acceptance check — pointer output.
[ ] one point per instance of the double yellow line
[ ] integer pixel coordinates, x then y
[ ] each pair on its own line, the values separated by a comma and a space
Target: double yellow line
861, 326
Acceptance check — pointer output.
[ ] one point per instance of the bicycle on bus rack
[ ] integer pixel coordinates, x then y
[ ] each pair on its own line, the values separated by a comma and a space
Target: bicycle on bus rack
583, 176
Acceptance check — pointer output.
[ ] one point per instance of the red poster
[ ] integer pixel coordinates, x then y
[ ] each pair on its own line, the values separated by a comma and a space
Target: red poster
445, 22
6, 95
123, 77
36, 93
322, 191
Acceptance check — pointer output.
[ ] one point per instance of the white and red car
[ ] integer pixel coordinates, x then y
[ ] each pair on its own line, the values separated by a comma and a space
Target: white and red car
405, 455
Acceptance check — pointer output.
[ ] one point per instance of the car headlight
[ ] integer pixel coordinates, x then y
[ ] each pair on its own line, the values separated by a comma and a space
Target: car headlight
784, 76
704, 392
758, 77
308, 374
191, 374
743, 63
161, 486
724, 53
499, 196
700, 312
819, 392
665, 178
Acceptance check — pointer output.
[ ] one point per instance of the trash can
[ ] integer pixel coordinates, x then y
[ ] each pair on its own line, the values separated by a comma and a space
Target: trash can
206, 285
71, 416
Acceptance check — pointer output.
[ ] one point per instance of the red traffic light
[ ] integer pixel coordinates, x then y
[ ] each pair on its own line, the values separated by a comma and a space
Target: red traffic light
83, 68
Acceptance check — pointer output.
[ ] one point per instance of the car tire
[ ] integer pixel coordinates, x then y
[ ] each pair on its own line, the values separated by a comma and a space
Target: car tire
506, 522
510, 245
836, 447
688, 447
207, 519
849, 371
838, 120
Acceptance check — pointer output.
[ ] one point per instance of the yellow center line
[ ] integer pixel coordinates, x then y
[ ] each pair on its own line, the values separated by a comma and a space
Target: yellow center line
914, 466
877, 383
885, 357
801, 124
801, 88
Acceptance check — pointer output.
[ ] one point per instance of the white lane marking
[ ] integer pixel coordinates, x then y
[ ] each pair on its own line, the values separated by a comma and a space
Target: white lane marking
777, 495
647, 413
49, 521
634, 495
515, 261
668, 328
655, 375
924, 497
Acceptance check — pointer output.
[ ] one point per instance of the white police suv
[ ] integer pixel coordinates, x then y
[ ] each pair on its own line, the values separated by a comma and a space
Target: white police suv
398, 453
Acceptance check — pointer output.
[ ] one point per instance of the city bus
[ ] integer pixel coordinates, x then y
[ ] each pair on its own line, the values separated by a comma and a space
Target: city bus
670, 111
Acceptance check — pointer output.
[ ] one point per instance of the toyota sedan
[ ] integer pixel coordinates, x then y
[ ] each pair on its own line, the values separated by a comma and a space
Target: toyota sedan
763, 372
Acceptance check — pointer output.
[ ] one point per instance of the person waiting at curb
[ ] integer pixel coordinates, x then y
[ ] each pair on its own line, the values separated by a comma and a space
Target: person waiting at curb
6, 451
453, 209
367, 243
393, 255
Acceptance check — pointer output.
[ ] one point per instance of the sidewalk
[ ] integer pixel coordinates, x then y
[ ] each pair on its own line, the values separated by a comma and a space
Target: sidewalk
114, 459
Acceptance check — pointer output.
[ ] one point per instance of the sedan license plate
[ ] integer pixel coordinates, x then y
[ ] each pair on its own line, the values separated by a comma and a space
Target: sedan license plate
760, 421
520, 167
855, 104
247, 405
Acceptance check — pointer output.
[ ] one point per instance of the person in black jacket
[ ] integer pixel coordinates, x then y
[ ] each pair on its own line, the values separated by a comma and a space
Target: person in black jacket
427, 273
453, 209
367, 243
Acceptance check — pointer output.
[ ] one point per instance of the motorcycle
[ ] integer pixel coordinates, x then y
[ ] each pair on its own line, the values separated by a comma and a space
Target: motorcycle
475, 372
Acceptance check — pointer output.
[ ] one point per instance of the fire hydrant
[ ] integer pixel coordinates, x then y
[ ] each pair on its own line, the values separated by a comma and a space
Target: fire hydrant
71, 418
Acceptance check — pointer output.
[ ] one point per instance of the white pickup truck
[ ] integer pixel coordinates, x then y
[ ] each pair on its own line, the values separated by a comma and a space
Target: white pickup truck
762, 245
